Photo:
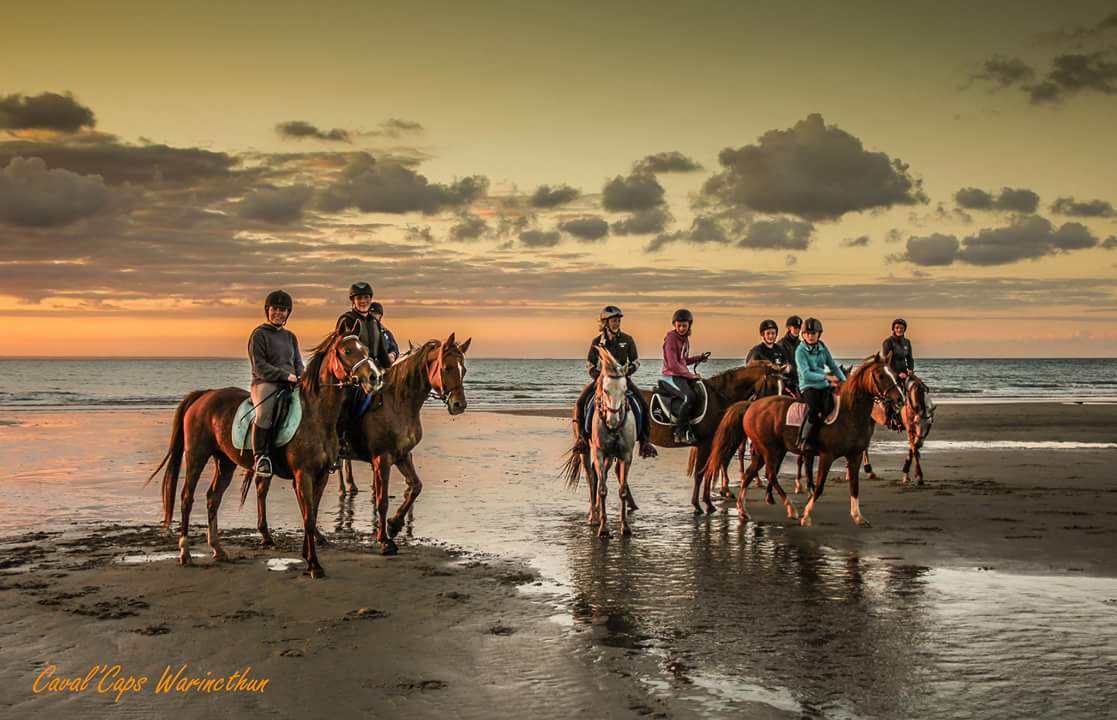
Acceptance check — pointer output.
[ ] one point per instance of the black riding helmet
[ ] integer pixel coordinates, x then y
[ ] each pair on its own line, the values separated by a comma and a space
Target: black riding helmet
813, 325
900, 321
769, 325
794, 321
377, 308
610, 311
683, 315
278, 299
360, 288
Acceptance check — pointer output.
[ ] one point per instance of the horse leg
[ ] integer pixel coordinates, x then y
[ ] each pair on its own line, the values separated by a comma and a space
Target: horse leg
774, 460
601, 465
381, 474
319, 490
262, 486
754, 469
824, 463
869, 466
622, 483
854, 488
629, 500
304, 493
703, 454
350, 478
590, 472
414, 487
194, 466
222, 476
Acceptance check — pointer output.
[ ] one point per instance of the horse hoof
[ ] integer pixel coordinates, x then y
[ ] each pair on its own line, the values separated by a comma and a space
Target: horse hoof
267, 542
316, 572
626, 531
603, 534
769, 499
220, 556
805, 521
919, 481
389, 548
321, 539
861, 522
633, 507
184, 559
872, 476
394, 526
698, 510
904, 479
354, 490
710, 508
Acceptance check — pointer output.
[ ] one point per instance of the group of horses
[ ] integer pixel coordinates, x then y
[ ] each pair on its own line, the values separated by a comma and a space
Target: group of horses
742, 403
747, 407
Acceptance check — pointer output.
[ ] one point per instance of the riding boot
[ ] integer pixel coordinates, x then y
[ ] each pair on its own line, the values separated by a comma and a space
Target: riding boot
261, 445
807, 441
682, 426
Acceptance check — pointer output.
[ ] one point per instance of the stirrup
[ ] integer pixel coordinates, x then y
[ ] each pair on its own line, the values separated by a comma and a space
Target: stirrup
647, 450
263, 468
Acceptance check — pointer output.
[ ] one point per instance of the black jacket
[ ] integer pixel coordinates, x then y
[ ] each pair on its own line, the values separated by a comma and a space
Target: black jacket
900, 347
274, 354
368, 330
622, 348
762, 352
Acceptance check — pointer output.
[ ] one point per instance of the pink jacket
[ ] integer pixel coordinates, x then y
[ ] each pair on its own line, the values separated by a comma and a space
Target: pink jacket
675, 358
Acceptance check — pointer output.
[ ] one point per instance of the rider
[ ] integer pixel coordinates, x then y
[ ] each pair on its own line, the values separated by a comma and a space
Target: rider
790, 343
813, 360
274, 354
767, 349
676, 345
623, 349
360, 321
903, 364
390, 343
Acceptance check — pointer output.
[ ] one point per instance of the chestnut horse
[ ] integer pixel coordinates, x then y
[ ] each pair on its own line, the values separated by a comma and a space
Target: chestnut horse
757, 379
916, 419
612, 437
203, 428
763, 421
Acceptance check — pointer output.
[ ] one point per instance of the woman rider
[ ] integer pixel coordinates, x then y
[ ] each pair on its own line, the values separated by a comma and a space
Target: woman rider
676, 345
273, 352
359, 320
903, 363
390, 343
789, 343
767, 349
818, 373
623, 349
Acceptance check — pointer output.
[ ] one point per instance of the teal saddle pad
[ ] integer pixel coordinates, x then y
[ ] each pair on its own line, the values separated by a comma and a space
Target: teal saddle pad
242, 439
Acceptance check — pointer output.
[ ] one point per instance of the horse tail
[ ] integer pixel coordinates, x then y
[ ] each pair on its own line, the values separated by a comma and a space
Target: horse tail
691, 459
572, 469
729, 436
172, 461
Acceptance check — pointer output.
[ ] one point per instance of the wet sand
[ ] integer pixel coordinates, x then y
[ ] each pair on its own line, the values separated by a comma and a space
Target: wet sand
502, 602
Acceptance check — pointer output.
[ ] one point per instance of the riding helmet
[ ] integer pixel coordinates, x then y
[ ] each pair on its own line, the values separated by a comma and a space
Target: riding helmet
611, 311
360, 288
278, 299
376, 308
900, 321
769, 325
682, 315
794, 321
813, 325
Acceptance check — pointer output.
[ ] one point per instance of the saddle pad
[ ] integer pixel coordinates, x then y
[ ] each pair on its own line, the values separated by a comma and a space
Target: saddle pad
798, 410
242, 439
661, 406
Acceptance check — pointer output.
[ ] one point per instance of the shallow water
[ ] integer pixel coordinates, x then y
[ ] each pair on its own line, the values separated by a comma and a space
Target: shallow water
733, 618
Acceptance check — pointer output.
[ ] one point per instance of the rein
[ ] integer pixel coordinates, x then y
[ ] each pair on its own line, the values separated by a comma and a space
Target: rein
434, 379
349, 377
605, 410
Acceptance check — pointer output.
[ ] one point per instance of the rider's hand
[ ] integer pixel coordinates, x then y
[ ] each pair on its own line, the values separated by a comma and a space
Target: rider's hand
292, 378
705, 357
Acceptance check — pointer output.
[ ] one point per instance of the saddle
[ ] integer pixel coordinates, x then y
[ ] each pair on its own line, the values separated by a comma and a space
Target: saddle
288, 415
666, 401
591, 410
798, 410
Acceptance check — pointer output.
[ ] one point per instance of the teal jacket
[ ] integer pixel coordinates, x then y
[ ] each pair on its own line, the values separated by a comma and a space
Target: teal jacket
813, 365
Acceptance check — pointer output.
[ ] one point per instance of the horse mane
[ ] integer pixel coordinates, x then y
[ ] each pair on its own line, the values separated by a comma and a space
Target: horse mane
311, 380
855, 378
406, 378
722, 382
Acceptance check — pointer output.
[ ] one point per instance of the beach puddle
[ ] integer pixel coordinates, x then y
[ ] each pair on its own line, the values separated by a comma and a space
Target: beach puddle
892, 447
285, 564
153, 557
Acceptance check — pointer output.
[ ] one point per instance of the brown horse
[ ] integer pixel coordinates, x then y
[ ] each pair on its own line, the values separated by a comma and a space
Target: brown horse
916, 419
203, 428
757, 379
386, 435
763, 422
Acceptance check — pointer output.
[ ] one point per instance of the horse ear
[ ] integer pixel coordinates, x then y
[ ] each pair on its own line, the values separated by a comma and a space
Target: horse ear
464, 347
410, 346
450, 340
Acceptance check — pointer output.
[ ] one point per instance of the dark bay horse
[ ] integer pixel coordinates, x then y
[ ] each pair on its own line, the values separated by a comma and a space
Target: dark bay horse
612, 437
202, 429
386, 435
916, 419
763, 422
756, 379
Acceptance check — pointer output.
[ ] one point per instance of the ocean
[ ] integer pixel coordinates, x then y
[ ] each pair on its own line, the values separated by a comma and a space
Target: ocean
509, 383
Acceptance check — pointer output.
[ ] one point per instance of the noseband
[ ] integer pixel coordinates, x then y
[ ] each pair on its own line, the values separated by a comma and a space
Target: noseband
351, 376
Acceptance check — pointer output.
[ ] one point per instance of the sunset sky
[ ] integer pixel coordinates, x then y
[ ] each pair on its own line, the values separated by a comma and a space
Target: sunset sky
503, 170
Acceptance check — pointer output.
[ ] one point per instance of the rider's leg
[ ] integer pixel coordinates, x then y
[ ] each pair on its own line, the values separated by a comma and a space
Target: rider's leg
682, 426
264, 400
815, 398
580, 418
642, 432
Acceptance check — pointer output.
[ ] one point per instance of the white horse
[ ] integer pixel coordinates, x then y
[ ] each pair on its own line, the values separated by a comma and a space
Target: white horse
612, 439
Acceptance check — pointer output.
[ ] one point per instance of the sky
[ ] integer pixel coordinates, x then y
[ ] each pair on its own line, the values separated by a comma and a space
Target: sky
503, 170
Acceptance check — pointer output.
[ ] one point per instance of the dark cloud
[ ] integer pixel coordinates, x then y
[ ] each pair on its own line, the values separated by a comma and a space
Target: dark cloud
381, 186
777, 234
300, 130
1005, 72
859, 241
281, 205
540, 238
1019, 200
813, 170
790, 260
33, 195
635, 193
1110, 243
395, 127
46, 111
469, 227
1092, 208
894, 235
667, 162
740, 231
588, 228
546, 196
419, 233
645, 222
1073, 73
1029, 238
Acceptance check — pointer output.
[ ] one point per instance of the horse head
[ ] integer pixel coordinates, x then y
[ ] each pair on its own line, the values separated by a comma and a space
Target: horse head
447, 374
875, 377
921, 409
346, 360
612, 384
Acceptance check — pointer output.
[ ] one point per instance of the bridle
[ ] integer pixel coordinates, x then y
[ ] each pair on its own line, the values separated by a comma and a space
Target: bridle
350, 376
439, 391
605, 410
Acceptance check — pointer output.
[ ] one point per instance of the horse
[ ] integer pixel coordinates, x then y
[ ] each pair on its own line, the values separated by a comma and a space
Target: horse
756, 379
916, 419
763, 422
612, 438
202, 428
386, 434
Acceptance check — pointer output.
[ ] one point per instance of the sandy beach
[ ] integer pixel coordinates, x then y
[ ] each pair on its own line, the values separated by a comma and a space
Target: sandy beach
503, 604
